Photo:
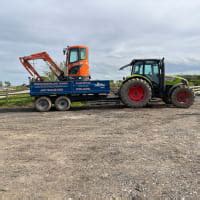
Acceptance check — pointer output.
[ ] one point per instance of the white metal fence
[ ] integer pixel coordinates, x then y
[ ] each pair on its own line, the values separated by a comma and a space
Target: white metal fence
196, 90
7, 93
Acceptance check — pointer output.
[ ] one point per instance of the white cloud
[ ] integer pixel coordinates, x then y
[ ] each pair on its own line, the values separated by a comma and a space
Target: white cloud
116, 32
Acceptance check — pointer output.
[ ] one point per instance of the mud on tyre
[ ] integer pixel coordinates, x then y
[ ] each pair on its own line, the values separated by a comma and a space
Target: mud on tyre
43, 104
62, 103
135, 93
182, 97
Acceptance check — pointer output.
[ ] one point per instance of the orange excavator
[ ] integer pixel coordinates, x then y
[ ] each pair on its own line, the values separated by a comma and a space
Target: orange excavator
77, 64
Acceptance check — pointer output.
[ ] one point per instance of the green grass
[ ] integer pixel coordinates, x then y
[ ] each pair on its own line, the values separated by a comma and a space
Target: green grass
78, 104
16, 100
25, 100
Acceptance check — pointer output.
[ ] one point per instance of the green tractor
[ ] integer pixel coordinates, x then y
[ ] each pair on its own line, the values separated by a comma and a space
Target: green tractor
148, 80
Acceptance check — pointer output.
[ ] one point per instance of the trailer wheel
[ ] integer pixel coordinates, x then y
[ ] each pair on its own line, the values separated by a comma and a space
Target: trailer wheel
135, 93
43, 104
182, 97
62, 103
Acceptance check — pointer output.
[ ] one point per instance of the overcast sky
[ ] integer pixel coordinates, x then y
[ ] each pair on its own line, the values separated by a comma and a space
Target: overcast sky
116, 31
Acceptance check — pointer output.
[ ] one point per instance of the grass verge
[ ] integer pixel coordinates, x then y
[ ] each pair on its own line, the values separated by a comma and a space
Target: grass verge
16, 100
25, 100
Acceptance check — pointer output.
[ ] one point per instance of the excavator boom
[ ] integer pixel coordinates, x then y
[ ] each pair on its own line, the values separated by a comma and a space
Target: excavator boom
43, 56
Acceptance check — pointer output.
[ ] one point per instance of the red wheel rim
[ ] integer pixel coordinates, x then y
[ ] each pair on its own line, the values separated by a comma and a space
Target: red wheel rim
136, 93
183, 97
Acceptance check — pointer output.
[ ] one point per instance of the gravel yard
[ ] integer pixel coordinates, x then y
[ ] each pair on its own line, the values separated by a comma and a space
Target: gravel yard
113, 153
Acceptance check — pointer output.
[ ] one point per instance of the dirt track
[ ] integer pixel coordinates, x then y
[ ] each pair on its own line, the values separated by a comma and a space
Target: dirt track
100, 153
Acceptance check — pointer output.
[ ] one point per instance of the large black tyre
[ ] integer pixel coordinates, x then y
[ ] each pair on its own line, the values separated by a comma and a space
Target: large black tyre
135, 93
182, 97
43, 104
62, 103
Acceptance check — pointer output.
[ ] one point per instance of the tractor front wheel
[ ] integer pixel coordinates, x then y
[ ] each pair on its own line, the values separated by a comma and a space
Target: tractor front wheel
182, 97
135, 93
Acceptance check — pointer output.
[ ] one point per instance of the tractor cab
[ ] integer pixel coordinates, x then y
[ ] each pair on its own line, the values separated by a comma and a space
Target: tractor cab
77, 62
152, 70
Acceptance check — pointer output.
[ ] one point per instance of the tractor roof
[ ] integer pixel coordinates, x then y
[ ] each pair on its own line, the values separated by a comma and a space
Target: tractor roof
150, 59
141, 60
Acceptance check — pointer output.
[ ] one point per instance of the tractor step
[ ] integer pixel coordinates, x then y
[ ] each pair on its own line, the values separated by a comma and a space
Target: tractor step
105, 102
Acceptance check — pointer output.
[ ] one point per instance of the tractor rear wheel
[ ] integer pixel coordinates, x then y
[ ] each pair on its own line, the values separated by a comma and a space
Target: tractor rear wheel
43, 104
62, 103
135, 93
182, 97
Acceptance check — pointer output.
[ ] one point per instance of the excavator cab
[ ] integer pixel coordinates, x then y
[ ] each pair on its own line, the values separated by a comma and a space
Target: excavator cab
77, 62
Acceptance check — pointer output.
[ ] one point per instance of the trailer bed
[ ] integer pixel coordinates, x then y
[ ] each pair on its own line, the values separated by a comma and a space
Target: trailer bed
101, 87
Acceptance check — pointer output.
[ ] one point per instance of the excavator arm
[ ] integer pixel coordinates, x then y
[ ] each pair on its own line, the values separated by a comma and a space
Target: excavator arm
43, 56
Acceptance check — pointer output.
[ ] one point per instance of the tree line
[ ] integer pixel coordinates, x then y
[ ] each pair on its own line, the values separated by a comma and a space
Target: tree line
5, 84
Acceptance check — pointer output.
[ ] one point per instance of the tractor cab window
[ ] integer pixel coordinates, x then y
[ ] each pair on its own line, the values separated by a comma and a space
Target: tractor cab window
151, 70
73, 55
148, 70
138, 68
82, 54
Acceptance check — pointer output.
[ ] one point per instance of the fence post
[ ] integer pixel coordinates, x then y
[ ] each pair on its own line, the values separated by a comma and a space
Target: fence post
6, 95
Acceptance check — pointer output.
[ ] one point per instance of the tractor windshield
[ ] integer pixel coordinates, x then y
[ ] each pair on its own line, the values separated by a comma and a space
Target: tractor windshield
150, 69
138, 68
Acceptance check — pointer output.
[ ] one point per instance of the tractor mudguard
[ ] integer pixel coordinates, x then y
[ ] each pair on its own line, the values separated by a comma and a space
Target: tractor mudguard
138, 76
172, 88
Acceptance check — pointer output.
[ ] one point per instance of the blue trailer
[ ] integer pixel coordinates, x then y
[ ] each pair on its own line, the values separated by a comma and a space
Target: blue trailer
62, 93
69, 88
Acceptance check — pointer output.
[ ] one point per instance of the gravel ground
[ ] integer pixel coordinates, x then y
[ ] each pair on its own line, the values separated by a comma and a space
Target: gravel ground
112, 153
